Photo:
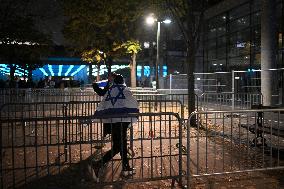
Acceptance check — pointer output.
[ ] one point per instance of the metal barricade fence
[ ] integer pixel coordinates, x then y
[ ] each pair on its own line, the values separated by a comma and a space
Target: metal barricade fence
135, 91
46, 95
236, 141
229, 101
11, 95
57, 95
58, 144
61, 95
183, 98
81, 108
143, 88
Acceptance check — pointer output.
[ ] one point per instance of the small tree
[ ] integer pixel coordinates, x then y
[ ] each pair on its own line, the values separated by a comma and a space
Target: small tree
189, 16
93, 56
132, 48
101, 24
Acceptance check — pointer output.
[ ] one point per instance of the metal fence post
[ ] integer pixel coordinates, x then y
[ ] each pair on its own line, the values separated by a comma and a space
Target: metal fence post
233, 90
1, 151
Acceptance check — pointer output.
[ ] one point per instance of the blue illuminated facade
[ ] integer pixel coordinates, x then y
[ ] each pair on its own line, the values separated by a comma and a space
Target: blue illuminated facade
147, 71
78, 72
75, 69
5, 71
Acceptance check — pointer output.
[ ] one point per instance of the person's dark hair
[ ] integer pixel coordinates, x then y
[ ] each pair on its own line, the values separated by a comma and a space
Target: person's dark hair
113, 74
118, 79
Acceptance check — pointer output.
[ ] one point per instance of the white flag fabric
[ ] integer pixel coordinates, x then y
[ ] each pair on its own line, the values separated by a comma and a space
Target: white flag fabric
118, 101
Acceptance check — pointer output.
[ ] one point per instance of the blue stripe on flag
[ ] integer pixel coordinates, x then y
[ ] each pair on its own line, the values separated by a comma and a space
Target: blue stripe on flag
110, 111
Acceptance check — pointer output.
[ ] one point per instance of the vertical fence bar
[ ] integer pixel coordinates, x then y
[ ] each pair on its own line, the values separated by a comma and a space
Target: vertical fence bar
180, 151
36, 148
1, 150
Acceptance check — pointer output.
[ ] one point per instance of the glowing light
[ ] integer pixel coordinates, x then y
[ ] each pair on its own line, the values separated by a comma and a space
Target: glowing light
147, 71
165, 71
18, 43
43, 71
4, 68
60, 70
139, 71
69, 70
167, 21
150, 20
78, 70
50, 70
103, 69
146, 45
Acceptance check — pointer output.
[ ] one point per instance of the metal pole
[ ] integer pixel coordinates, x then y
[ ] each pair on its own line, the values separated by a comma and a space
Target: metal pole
171, 78
233, 89
158, 55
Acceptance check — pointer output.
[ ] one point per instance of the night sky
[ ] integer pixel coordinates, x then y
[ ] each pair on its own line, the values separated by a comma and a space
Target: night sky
50, 20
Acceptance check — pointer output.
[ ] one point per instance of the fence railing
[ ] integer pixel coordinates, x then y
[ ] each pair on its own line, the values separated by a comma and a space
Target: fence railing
46, 95
58, 95
236, 141
205, 101
44, 139
81, 108
61, 144
229, 101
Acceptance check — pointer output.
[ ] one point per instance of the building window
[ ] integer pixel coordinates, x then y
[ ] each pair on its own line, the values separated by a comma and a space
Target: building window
233, 38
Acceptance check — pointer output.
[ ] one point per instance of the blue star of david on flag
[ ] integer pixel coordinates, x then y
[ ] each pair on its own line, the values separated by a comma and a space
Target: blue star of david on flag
119, 95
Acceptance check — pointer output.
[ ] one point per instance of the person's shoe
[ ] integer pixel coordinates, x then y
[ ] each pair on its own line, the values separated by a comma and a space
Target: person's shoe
90, 174
96, 167
128, 171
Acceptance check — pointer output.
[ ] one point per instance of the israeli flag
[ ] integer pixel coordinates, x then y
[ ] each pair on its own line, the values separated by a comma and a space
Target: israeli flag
118, 101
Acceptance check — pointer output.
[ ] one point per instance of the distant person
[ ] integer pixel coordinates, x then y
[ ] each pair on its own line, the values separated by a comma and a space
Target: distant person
82, 83
2, 83
118, 100
51, 84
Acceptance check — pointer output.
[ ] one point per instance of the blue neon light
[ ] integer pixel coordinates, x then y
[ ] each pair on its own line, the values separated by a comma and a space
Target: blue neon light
147, 71
139, 71
5, 69
165, 71
69, 70
60, 70
43, 71
21, 69
50, 70
78, 70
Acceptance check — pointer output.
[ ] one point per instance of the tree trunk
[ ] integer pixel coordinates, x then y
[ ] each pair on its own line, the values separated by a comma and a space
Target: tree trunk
90, 73
191, 93
98, 72
12, 72
109, 62
133, 70
268, 51
30, 74
25, 68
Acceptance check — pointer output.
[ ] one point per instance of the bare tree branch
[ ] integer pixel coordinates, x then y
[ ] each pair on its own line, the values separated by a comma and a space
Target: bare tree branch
174, 12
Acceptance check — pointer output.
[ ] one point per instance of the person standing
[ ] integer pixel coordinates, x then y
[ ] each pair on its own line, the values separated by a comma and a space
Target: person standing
118, 100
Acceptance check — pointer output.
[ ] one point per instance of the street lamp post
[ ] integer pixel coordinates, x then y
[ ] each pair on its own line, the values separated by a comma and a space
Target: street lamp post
158, 55
151, 20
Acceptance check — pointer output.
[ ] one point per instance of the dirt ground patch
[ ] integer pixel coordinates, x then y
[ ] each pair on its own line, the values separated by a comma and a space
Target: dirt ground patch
71, 179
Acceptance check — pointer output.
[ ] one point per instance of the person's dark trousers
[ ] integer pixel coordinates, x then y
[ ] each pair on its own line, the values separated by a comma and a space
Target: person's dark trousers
119, 143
